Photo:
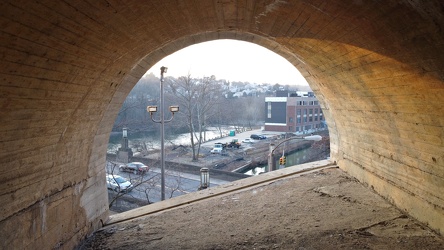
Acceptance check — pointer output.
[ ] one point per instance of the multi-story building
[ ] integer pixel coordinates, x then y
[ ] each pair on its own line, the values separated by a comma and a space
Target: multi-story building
292, 113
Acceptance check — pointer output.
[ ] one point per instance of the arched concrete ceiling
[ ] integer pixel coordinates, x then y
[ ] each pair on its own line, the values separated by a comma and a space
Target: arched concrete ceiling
67, 66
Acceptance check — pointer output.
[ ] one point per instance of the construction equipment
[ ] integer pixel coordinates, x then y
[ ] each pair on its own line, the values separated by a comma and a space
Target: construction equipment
234, 143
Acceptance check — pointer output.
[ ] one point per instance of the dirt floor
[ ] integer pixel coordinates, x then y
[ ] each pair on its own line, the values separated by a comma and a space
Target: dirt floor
326, 209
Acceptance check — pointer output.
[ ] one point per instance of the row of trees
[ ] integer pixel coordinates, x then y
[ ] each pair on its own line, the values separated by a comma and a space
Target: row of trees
204, 102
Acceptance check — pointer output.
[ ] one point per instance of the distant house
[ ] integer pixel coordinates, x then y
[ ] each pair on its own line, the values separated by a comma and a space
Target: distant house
288, 112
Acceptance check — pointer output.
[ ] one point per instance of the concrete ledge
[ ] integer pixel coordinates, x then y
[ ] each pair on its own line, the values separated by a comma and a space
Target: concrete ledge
216, 191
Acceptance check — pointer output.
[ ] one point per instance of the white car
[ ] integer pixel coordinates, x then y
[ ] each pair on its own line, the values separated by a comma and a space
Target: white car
118, 183
247, 140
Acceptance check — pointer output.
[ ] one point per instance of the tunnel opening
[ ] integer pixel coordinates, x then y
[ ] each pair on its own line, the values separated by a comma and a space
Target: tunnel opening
234, 111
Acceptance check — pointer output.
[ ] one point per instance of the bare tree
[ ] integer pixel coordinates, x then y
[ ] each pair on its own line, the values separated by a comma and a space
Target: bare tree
253, 111
185, 91
197, 98
146, 184
149, 185
133, 111
138, 182
175, 182
209, 95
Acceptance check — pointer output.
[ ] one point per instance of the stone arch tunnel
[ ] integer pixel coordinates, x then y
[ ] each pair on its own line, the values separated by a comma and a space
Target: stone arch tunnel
67, 66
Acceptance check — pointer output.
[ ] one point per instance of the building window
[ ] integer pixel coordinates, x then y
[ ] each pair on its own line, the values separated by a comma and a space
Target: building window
298, 120
269, 110
305, 111
305, 119
290, 119
310, 118
310, 111
316, 110
290, 128
316, 118
298, 112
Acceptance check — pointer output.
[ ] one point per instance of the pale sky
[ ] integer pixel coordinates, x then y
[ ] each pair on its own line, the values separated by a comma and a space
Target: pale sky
231, 60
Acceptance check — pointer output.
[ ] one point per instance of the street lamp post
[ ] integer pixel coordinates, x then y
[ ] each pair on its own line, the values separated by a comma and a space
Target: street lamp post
271, 161
162, 121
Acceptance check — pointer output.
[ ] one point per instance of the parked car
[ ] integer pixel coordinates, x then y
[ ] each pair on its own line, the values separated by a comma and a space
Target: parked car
255, 137
258, 137
134, 167
118, 183
220, 165
247, 140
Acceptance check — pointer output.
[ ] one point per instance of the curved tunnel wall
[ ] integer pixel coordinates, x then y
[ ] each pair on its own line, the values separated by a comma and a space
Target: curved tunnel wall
66, 68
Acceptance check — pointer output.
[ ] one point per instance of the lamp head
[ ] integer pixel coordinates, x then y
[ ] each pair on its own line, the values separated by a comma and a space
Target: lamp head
174, 109
151, 109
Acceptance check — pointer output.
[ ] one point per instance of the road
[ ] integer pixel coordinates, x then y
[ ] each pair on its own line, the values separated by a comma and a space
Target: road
176, 183
147, 186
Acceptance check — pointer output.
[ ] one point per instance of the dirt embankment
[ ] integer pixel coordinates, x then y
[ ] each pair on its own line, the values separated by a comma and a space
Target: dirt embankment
327, 209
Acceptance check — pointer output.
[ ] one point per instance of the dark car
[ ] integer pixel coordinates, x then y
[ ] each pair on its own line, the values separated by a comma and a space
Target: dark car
257, 137
134, 167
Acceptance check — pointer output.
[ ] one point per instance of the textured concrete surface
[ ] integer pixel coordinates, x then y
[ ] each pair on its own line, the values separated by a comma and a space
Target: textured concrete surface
322, 209
67, 66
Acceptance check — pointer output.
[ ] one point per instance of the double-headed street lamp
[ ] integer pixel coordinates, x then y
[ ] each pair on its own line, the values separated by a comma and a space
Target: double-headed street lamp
162, 121
272, 163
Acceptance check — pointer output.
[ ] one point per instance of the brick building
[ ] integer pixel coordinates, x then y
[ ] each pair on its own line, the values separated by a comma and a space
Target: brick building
289, 112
